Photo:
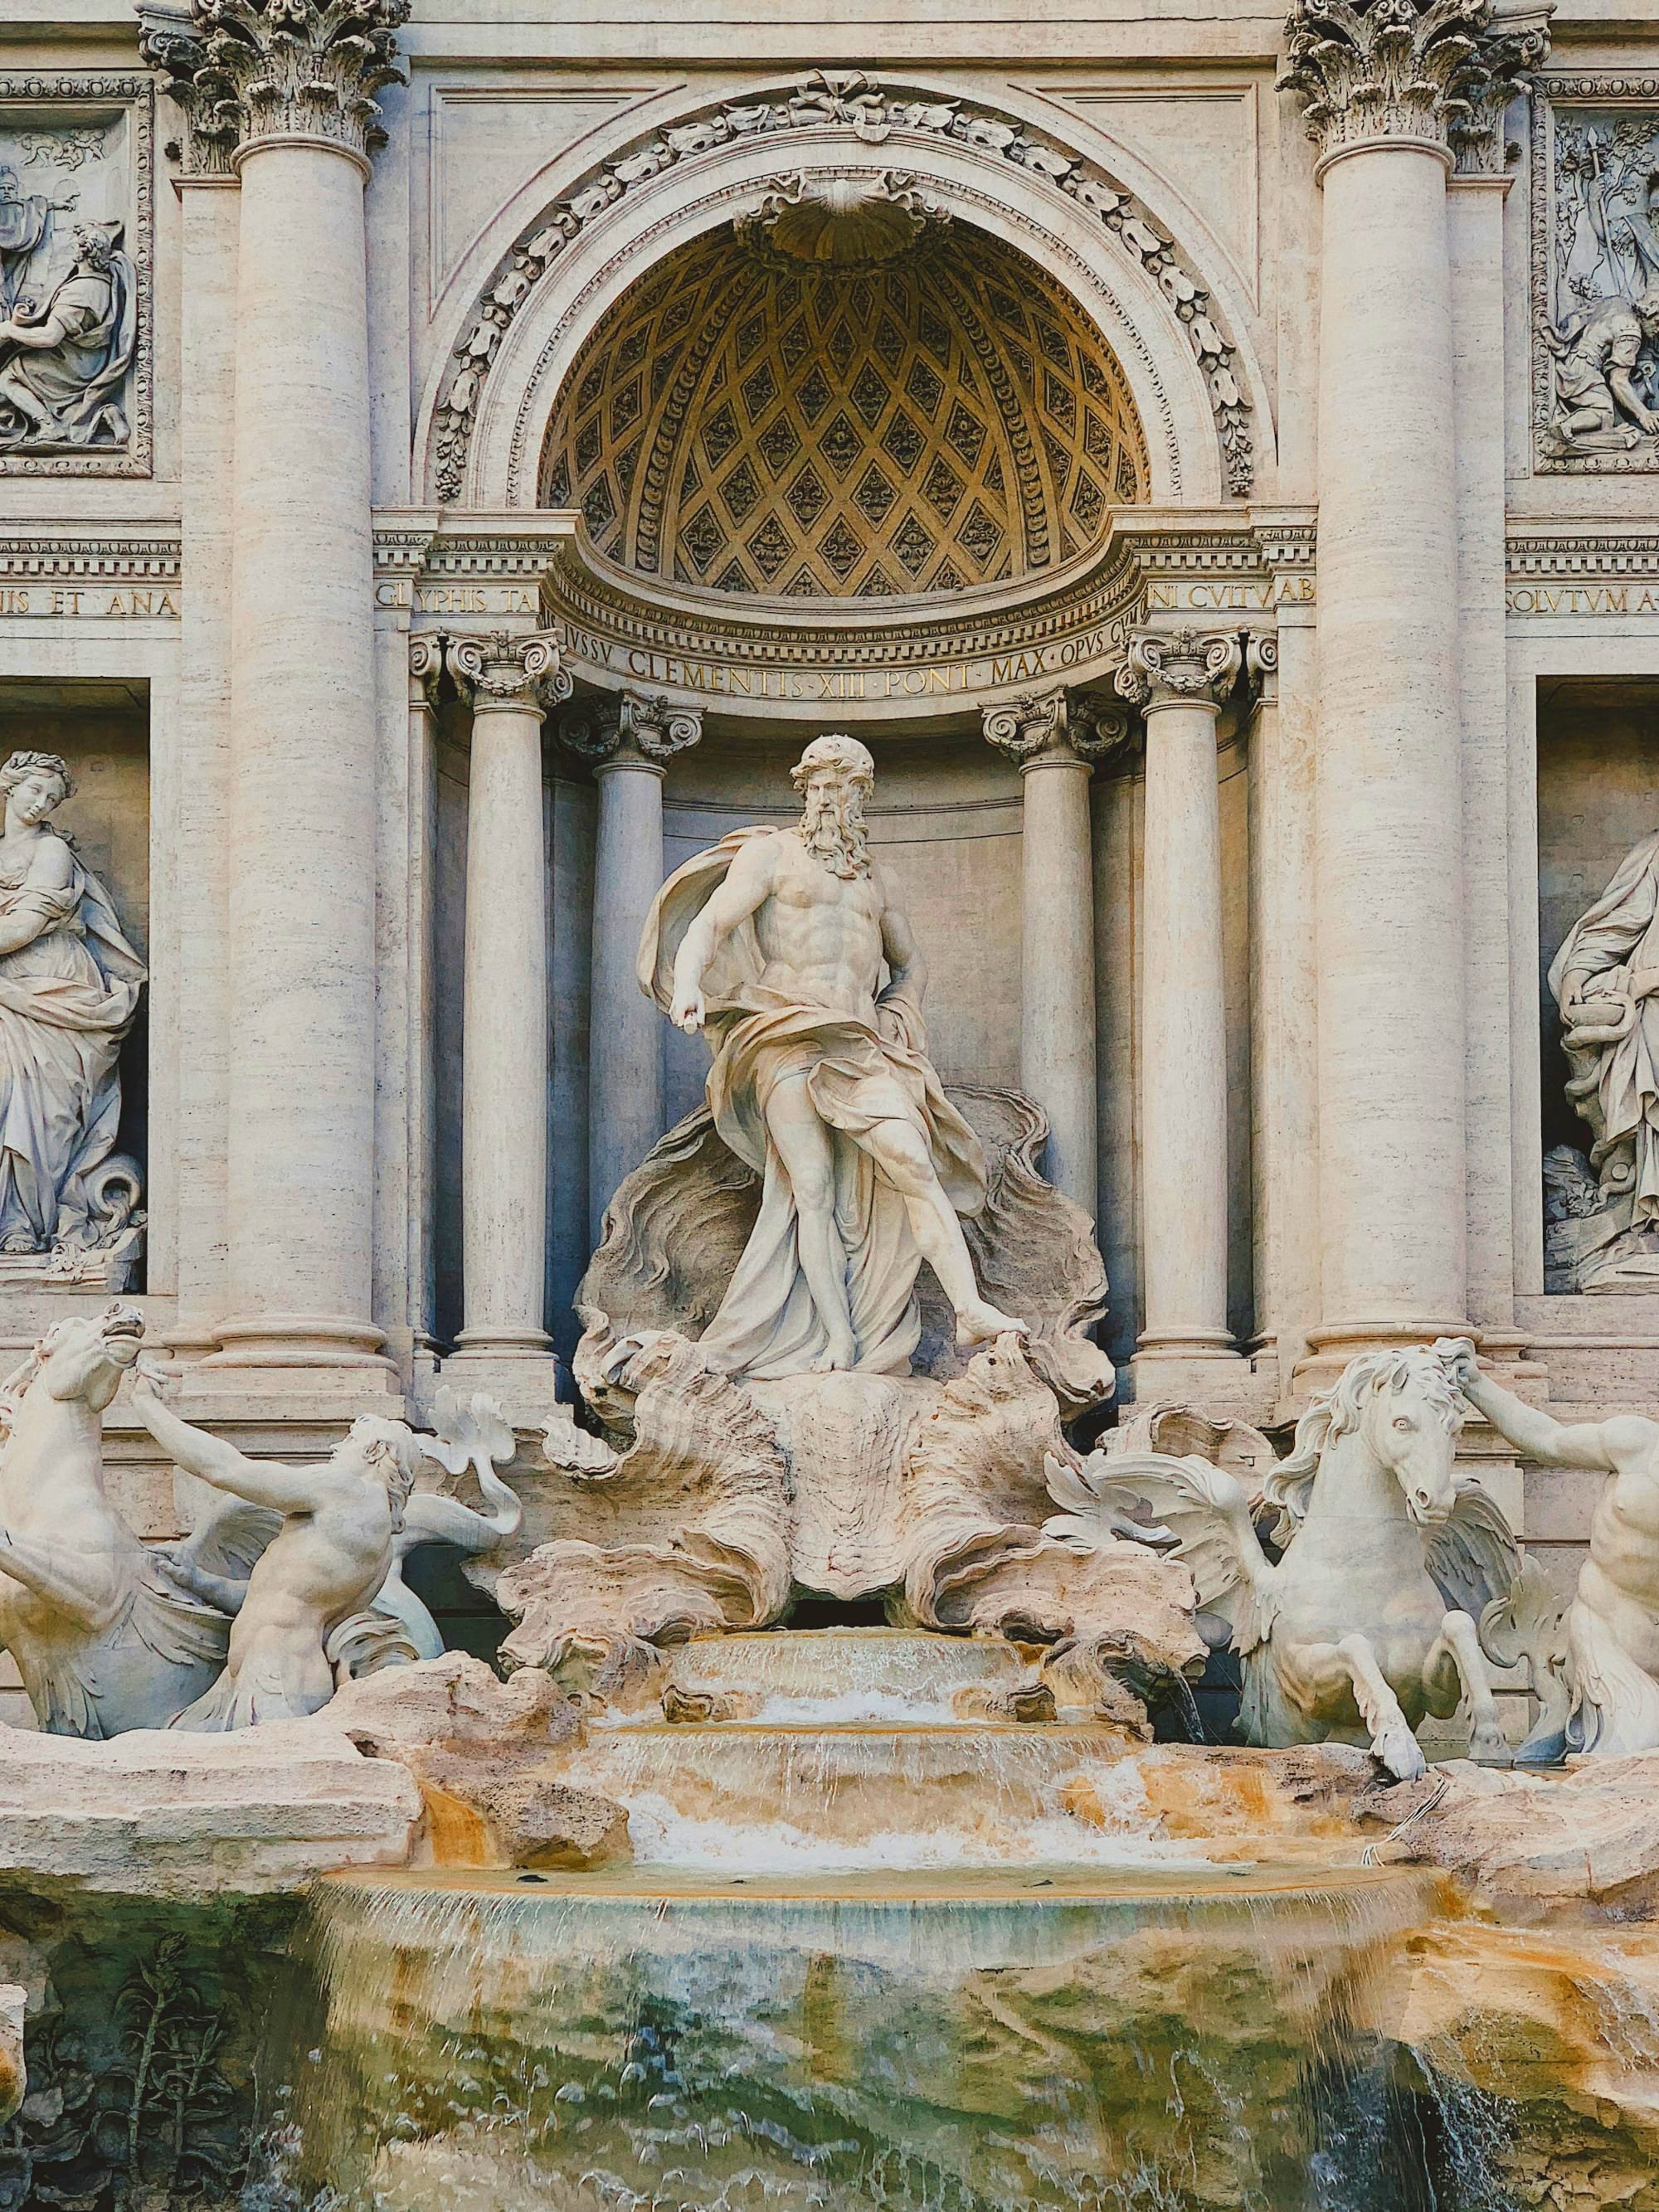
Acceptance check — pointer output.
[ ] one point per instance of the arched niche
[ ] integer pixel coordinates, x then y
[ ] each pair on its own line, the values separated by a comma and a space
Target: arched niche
1192, 385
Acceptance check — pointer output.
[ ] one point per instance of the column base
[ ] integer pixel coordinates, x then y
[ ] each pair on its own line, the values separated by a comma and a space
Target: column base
1334, 1344
1201, 1368
517, 1368
303, 1352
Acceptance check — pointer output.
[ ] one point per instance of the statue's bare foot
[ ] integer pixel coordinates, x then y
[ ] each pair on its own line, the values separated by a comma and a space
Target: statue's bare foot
841, 1353
979, 1324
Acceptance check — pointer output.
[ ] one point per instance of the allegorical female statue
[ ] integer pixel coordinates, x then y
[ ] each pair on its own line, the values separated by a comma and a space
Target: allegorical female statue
68, 989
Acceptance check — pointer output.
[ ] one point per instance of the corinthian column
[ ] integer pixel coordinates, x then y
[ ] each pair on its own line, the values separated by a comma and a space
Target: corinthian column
286, 92
504, 1021
1180, 682
1391, 88
1056, 740
630, 740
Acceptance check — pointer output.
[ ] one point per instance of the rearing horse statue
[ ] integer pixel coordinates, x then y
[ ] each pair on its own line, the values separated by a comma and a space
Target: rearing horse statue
103, 1640
1367, 1620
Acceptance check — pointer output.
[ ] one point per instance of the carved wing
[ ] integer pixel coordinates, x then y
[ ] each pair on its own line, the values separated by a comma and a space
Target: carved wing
1474, 1556
1185, 1505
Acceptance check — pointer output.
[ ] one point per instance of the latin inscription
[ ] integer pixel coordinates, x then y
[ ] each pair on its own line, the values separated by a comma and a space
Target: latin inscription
1582, 599
99, 601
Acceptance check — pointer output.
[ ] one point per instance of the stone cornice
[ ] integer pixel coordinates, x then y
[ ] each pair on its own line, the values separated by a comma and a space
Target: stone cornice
247, 72
1438, 73
130, 556
1551, 550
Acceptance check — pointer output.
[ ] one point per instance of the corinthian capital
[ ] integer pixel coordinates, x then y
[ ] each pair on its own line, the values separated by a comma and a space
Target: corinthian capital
500, 670
246, 71
1431, 72
1168, 668
1056, 724
646, 725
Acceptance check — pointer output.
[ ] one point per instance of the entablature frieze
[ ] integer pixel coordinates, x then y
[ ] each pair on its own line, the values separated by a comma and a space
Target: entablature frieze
1556, 572
83, 574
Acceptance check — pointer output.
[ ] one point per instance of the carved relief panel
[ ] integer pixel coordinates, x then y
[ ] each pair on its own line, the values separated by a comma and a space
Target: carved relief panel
1596, 274
76, 180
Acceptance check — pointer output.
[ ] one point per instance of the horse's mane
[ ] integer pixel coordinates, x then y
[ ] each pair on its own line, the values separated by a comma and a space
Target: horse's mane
13, 1389
1334, 1413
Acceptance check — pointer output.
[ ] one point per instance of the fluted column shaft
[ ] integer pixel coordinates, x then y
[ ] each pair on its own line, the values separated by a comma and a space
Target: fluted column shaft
301, 903
1055, 740
630, 740
1180, 684
1395, 95
504, 1036
1389, 866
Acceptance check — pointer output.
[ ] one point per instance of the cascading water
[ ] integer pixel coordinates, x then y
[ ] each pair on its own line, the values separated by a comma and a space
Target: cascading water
939, 1963
974, 2042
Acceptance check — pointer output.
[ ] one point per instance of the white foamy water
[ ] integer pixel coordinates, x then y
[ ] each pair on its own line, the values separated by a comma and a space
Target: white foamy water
664, 1835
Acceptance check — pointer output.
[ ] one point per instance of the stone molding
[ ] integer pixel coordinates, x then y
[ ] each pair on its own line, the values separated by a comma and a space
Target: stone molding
1435, 73
1182, 668
839, 101
641, 726
53, 91
40, 556
498, 672
249, 72
1056, 726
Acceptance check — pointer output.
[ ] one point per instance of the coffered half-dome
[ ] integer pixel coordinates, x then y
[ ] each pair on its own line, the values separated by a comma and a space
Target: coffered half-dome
841, 405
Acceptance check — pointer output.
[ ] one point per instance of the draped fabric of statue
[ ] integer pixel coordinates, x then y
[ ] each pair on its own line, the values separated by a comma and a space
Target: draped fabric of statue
67, 998
857, 1073
77, 383
1601, 978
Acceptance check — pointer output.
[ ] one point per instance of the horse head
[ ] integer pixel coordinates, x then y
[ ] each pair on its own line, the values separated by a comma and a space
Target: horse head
1402, 1406
80, 1359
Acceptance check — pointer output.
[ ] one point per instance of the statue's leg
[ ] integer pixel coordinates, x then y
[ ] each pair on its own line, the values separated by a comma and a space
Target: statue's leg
1392, 1741
17, 394
58, 1580
1457, 1665
807, 1152
902, 1153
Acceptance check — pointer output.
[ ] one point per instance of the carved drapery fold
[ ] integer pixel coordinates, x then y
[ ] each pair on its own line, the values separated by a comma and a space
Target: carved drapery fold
500, 670
647, 724
1437, 72
247, 70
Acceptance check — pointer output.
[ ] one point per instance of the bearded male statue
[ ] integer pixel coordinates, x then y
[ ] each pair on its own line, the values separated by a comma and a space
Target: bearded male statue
774, 941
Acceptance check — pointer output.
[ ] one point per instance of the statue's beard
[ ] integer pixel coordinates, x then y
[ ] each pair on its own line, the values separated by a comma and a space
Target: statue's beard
832, 829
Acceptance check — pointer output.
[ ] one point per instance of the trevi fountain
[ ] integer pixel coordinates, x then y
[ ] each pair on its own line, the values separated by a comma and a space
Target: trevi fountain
829, 1134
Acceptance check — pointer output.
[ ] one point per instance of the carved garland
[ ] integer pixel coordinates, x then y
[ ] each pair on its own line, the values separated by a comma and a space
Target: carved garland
827, 99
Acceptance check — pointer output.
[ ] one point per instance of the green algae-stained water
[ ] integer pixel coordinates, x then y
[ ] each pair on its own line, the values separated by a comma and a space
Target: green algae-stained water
965, 2041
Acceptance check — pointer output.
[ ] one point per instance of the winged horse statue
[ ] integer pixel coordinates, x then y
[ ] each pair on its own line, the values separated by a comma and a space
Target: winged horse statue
1366, 1620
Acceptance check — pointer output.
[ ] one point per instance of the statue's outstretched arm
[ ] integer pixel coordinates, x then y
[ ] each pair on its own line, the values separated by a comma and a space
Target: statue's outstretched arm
1597, 1444
261, 1481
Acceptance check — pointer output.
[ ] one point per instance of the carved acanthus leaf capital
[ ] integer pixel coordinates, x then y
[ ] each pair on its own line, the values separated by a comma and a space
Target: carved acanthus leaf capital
1056, 724
1167, 668
1435, 71
646, 724
500, 670
247, 71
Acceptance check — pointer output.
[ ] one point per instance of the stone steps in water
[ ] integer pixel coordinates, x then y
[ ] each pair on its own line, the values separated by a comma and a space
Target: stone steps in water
833, 1676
